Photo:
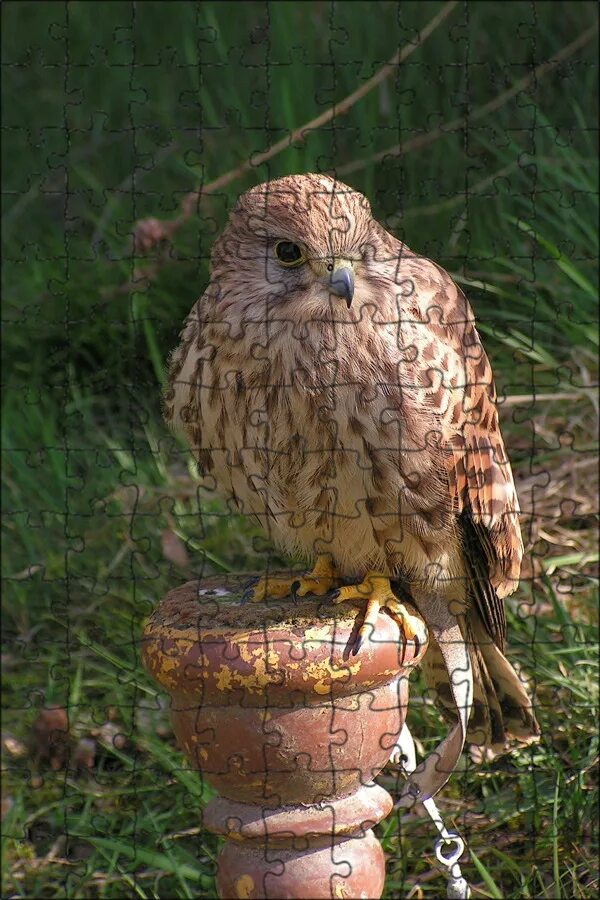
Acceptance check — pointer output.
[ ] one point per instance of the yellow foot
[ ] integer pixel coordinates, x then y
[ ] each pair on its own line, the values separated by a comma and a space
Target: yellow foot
377, 591
318, 582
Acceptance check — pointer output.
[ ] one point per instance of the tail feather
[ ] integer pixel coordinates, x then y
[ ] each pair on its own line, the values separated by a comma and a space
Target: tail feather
502, 709
509, 688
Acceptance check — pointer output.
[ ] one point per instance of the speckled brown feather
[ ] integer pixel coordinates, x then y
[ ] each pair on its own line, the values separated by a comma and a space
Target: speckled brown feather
369, 433
479, 473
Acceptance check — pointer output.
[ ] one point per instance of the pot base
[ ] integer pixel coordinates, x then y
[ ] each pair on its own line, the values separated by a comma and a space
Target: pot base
327, 850
272, 707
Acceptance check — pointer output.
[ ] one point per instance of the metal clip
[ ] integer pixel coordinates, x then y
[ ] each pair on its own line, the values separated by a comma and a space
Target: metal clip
457, 888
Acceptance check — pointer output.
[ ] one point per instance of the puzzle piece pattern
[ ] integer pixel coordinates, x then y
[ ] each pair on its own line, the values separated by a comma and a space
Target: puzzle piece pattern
106, 510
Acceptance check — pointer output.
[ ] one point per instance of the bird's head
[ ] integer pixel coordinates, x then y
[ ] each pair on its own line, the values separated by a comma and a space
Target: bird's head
299, 246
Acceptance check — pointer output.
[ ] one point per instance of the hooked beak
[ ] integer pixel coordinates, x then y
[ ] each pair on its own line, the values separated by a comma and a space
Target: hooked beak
342, 283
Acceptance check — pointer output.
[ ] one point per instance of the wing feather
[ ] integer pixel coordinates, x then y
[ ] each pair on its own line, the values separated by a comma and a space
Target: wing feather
478, 470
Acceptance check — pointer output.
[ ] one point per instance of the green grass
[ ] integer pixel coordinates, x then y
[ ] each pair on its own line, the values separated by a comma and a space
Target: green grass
113, 112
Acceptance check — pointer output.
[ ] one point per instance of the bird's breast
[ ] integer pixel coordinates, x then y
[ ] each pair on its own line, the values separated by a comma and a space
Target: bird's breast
304, 441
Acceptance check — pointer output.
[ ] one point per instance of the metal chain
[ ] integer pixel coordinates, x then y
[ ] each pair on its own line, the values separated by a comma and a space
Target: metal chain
457, 887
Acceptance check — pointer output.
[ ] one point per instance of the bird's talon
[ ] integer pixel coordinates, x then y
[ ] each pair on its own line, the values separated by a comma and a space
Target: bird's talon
376, 590
316, 582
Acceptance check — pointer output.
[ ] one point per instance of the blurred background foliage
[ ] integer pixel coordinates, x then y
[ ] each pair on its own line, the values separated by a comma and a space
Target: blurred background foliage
114, 112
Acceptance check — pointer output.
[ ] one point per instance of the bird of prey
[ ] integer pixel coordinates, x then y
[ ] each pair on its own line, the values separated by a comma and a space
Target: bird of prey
331, 383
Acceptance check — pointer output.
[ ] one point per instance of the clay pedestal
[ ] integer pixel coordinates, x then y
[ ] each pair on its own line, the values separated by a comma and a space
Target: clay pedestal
290, 728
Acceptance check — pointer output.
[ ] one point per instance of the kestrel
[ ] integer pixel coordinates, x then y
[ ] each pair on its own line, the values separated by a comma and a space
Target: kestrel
331, 382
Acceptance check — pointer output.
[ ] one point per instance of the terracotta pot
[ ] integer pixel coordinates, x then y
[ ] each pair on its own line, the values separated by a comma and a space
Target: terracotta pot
290, 728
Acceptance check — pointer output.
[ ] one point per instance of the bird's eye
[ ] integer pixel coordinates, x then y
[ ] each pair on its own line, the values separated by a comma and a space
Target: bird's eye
289, 254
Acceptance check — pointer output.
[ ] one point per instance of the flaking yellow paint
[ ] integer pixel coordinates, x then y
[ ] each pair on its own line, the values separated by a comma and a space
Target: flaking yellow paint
244, 887
167, 665
323, 674
224, 678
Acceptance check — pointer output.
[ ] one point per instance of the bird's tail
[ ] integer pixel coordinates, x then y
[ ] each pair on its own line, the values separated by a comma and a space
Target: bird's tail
502, 709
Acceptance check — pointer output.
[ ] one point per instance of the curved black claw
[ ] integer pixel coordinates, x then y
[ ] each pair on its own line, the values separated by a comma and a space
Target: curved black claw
358, 644
249, 590
293, 588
